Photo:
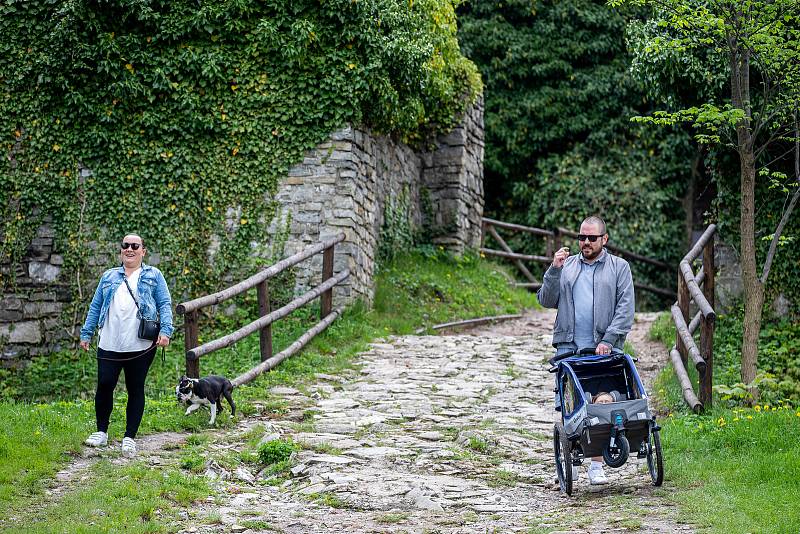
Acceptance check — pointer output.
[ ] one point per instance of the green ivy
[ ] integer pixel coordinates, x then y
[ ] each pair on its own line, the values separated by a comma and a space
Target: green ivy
188, 112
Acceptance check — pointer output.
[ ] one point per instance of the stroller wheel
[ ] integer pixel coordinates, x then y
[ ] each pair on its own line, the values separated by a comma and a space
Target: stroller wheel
655, 461
562, 451
617, 456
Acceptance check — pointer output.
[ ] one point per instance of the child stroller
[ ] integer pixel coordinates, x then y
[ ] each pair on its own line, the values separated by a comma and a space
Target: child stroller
612, 430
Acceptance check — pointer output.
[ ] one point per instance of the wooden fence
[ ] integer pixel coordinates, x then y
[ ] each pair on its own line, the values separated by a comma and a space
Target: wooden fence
685, 346
263, 324
553, 241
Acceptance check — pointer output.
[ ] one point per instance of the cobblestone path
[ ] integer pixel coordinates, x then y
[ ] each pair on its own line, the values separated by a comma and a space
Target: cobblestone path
448, 434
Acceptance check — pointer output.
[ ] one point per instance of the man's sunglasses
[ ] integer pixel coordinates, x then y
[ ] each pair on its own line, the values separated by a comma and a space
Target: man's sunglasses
582, 237
135, 246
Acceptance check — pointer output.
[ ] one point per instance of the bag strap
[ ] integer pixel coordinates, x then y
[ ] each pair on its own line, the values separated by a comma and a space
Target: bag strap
125, 279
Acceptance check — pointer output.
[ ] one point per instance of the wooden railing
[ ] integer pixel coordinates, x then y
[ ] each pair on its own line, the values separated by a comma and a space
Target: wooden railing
553, 241
263, 324
685, 346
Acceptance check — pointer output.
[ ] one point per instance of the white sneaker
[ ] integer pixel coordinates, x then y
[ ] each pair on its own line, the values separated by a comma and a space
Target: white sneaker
128, 447
596, 474
98, 439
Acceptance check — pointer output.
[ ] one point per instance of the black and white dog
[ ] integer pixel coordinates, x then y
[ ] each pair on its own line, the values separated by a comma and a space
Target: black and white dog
208, 391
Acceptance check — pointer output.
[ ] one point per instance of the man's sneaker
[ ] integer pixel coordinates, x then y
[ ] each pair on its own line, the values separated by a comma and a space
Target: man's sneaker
98, 439
128, 447
596, 474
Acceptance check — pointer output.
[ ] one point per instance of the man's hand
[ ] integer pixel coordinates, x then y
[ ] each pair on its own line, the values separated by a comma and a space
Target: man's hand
560, 257
602, 348
163, 341
84, 345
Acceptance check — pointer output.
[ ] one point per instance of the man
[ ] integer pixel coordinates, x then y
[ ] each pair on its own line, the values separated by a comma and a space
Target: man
124, 295
593, 292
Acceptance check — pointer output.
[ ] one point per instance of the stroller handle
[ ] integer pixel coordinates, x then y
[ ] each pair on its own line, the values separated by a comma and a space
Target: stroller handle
578, 352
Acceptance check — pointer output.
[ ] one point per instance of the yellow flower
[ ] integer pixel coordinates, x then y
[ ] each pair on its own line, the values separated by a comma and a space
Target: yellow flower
243, 221
56, 148
129, 67
749, 416
766, 407
209, 209
798, 414
757, 408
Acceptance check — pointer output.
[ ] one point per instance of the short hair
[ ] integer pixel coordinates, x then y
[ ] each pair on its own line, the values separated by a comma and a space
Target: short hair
593, 219
135, 235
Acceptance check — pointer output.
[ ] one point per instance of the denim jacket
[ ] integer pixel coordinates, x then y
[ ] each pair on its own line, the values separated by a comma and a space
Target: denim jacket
613, 299
153, 298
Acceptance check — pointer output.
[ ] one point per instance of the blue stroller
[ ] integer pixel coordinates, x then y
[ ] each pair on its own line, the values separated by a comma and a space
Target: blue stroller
612, 430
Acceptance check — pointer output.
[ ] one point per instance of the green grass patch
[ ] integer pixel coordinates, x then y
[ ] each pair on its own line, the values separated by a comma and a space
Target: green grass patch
736, 470
503, 478
392, 518
133, 498
276, 451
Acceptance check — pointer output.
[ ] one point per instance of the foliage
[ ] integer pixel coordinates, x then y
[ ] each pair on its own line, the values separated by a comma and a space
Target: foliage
276, 451
779, 355
559, 146
735, 470
177, 118
554, 73
621, 181
773, 194
761, 45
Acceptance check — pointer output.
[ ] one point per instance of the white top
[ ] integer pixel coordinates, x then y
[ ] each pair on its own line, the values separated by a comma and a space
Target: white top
120, 333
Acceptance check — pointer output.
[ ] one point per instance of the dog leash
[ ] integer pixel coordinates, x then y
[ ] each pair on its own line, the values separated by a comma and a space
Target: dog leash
145, 351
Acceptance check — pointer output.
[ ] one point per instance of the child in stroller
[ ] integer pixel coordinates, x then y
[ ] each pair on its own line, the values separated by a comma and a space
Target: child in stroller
612, 429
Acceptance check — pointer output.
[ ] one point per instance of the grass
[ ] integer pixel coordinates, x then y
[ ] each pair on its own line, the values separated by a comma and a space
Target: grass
733, 469
47, 410
736, 470
133, 498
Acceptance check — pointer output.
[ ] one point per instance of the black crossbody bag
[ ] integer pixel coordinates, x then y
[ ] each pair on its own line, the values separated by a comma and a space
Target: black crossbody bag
147, 329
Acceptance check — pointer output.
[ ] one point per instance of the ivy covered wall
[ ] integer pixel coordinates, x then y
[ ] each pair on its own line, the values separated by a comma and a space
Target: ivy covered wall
187, 113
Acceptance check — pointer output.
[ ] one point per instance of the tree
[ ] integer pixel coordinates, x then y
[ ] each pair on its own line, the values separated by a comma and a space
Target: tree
759, 41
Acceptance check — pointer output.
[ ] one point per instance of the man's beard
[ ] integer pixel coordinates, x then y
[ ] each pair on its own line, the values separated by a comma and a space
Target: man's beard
591, 254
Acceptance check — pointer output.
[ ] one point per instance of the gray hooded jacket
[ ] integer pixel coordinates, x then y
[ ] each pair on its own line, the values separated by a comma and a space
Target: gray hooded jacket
613, 299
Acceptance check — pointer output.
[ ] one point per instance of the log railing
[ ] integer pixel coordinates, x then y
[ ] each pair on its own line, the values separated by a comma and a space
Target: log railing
553, 241
263, 324
689, 291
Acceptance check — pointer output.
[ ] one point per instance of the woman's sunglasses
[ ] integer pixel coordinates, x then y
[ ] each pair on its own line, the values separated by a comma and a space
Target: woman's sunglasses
581, 237
135, 246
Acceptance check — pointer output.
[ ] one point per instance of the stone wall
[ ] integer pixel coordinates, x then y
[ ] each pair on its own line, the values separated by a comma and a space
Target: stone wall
347, 183
30, 316
344, 185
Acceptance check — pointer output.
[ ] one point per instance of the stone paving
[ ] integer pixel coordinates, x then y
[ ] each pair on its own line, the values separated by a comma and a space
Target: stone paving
447, 433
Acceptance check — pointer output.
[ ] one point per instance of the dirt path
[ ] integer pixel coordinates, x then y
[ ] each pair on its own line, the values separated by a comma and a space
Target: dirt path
446, 434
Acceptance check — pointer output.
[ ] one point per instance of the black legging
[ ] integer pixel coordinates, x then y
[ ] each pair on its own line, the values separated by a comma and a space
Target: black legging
109, 365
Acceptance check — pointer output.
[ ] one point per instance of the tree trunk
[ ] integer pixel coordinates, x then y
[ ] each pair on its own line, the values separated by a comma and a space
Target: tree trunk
753, 288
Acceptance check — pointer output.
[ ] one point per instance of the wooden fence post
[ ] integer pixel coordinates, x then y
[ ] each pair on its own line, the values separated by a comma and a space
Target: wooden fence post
707, 327
326, 299
263, 309
683, 304
190, 337
556, 241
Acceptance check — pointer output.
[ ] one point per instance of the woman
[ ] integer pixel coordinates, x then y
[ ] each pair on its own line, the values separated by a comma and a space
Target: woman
123, 295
